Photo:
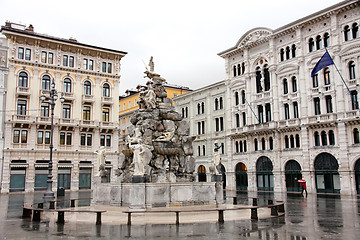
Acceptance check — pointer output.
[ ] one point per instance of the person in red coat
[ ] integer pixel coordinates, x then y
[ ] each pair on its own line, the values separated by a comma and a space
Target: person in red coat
303, 188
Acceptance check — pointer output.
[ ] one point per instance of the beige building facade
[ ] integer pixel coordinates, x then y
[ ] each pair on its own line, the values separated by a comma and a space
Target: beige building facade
87, 78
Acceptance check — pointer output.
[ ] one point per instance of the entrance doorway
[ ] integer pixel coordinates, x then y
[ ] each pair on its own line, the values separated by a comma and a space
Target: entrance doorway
292, 175
202, 173
357, 175
264, 174
241, 177
17, 179
327, 175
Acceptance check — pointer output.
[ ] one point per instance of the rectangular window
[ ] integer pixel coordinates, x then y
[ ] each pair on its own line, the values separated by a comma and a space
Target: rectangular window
50, 58
20, 53
109, 67
44, 112
268, 112
40, 137
21, 107
287, 112
16, 137
28, 54
43, 57
24, 136
106, 114
62, 138
47, 137
85, 64
108, 140
71, 61
102, 140
86, 113
354, 100
328, 100
315, 81
82, 139
65, 60
103, 66
261, 113
89, 139
317, 106
66, 111
68, 138
296, 110
91, 64
65, 138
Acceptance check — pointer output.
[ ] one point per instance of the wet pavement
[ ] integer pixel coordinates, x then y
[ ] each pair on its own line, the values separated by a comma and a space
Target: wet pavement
315, 217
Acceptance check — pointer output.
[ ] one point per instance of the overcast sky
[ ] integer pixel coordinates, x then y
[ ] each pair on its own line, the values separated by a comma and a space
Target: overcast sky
183, 36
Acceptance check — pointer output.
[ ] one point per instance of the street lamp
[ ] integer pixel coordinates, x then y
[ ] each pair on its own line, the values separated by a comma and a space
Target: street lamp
49, 194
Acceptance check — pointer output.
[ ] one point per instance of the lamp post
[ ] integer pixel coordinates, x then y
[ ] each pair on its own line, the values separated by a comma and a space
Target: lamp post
49, 194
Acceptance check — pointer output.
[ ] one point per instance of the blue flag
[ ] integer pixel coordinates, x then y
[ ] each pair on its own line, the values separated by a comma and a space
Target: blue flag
324, 61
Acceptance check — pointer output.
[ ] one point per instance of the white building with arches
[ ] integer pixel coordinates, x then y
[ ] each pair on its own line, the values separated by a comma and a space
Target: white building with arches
285, 124
87, 78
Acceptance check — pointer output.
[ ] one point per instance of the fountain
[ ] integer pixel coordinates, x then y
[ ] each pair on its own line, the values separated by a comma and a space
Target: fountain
156, 167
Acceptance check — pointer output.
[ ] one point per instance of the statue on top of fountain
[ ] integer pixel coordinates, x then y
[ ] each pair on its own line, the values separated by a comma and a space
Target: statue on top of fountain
158, 147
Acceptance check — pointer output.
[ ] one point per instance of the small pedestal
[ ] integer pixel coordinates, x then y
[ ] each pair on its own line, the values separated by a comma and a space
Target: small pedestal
216, 178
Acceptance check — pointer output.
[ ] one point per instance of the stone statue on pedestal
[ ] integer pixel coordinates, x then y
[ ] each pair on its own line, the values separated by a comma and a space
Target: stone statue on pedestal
103, 173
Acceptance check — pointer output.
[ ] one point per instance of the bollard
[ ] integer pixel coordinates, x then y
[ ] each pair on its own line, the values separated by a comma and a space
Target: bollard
52, 205
36, 216
61, 217
281, 208
221, 216
254, 201
254, 215
177, 218
235, 200
26, 213
129, 219
40, 205
274, 211
72, 203
98, 218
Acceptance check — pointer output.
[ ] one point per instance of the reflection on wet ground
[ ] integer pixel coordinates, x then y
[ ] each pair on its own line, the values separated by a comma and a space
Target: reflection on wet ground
315, 217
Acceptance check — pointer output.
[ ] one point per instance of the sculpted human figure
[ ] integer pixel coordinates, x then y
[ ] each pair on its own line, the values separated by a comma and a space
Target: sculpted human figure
216, 168
150, 99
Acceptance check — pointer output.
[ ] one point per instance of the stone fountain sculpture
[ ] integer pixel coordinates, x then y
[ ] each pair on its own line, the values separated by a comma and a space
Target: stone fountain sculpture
158, 147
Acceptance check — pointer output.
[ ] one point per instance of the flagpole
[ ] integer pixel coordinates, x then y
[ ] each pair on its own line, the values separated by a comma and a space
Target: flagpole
250, 106
352, 97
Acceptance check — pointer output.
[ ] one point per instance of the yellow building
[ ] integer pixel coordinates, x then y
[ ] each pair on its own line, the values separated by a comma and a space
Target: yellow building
129, 103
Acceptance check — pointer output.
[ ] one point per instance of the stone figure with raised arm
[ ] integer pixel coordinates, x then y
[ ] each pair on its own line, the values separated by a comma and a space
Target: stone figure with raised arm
151, 74
216, 168
101, 156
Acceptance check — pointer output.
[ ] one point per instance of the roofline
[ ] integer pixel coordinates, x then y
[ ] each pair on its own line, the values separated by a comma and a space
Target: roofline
294, 23
222, 82
34, 34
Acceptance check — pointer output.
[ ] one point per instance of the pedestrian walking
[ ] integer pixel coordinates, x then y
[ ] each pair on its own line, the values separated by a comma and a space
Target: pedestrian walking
303, 187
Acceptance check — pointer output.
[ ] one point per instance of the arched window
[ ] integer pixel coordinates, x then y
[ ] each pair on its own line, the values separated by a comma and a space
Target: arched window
318, 42
245, 146
267, 79
351, 70
356, 136
354, 100
328, 101
243, 97
258, 80
294, 84
292, 141
234, 70
67, 85
355, 30
221, 103
45, 82
243, 68
271, 143
346, 33
202, 173
293, 50
263, 144
237, 146
216, 104
236, 98
326, 40
296, 110
326, 76
23, 79
331, 137
317, 139
286, 141
285, 84
204, 150
287, 112
267, 112
106, 90
287, 53
323, 138
87, 88
202, 107
311, 44
282, 54
237, 118
297, 140
256, 144
239, 69
198, 108
244, 118
241, 146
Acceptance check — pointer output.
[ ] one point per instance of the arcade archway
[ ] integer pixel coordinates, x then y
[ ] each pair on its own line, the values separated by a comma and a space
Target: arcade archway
241, 176
202, 173
357, 175
327, 175
292, 175
264, 174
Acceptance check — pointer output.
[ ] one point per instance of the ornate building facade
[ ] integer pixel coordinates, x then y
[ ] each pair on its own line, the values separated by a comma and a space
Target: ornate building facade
281, 124
87, 79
